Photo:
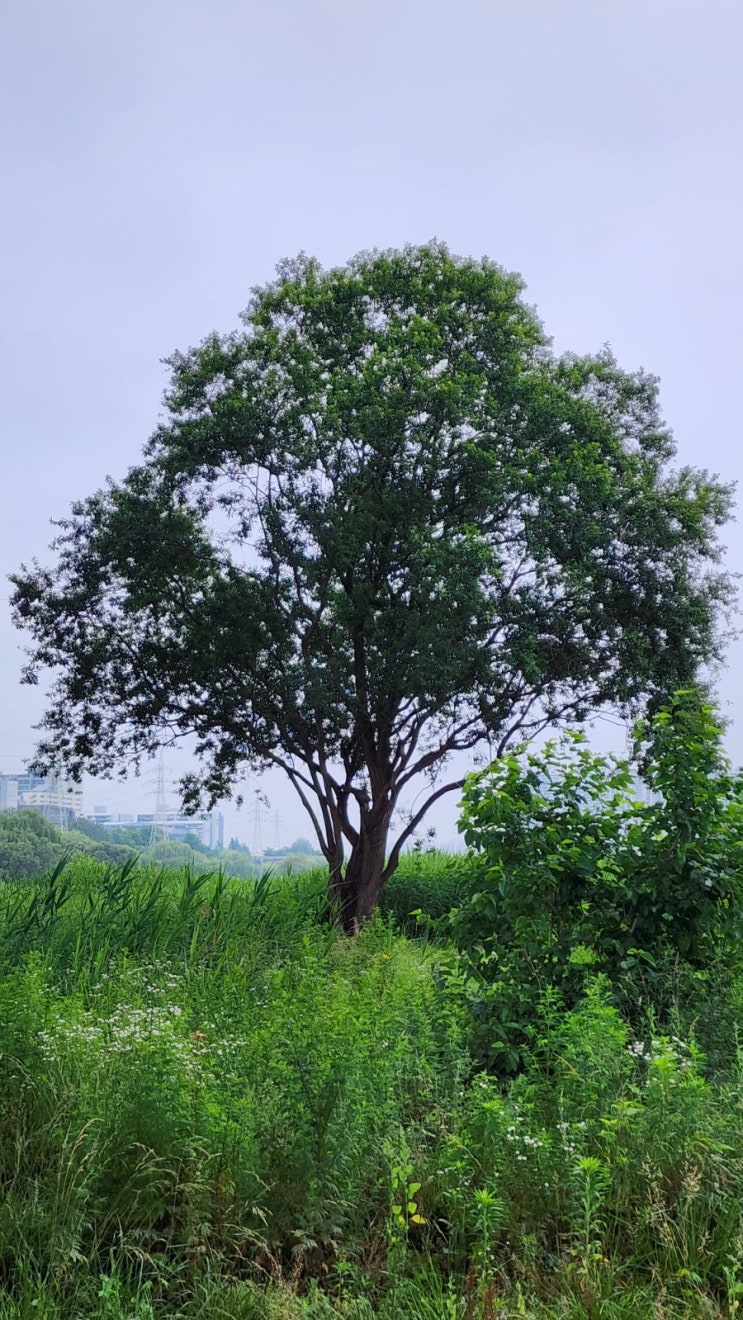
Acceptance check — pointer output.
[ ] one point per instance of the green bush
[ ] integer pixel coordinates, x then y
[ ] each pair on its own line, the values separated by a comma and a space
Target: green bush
610, 1164
29, 844
576, 876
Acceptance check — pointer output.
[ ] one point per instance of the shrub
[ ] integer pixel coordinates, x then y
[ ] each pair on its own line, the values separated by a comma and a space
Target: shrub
575, 875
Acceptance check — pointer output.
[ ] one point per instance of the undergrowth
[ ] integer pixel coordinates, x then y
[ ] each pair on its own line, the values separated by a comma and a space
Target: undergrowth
213, 1105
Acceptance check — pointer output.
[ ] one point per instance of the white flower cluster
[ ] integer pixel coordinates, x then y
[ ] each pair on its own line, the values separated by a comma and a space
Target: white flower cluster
124, 1030
638, 1050
668, 1049
128, 1028
567, 1131
522, 1139
155, 979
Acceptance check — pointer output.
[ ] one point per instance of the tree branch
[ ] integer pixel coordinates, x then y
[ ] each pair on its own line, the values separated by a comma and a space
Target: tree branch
415, 822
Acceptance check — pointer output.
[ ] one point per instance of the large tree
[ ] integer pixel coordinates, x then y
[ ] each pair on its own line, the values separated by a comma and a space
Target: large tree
380, 524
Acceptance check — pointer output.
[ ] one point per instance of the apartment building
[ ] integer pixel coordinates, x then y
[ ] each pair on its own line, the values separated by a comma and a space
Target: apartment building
59, 800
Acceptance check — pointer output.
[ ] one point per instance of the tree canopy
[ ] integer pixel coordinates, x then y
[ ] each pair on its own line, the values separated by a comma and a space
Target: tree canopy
379, 524
30, 845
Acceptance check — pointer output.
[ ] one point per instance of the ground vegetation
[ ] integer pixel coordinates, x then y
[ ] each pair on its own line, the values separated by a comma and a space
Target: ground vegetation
213, 1104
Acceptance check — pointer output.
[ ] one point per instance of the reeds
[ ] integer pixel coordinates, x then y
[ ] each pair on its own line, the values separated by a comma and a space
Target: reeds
212, 1104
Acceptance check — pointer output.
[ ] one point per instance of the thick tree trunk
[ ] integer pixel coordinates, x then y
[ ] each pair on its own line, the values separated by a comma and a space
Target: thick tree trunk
362, 883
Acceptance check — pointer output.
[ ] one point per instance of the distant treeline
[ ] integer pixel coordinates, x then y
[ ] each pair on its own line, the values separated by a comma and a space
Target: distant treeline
30, 845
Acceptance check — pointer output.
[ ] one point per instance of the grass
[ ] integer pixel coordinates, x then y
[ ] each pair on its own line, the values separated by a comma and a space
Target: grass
215, 1106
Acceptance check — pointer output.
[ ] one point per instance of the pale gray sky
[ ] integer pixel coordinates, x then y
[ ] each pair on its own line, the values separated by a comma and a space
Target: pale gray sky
159, 158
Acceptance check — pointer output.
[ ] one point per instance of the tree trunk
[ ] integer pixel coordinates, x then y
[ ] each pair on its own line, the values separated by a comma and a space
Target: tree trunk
337, 890
362, 883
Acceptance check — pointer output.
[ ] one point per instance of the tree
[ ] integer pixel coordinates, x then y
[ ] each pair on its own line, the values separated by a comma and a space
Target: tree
235, 845
91, 829
380, 524
195, 843
29, 844
303, 846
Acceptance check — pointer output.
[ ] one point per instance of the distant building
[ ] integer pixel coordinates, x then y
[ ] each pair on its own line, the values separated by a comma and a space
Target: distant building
208, 827
110, 820
59, 800
8, 793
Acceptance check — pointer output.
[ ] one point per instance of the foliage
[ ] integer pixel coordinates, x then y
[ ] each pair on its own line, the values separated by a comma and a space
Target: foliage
379, 524
74, 841
193, 842
201, 1076
135, 836
613, 1158
95, 831
301, 846
215, 1106
577, 875
30, 845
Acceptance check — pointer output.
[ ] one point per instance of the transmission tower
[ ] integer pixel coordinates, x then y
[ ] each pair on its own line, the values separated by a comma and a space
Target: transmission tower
159, 829
257, 828
276, 831
61, 808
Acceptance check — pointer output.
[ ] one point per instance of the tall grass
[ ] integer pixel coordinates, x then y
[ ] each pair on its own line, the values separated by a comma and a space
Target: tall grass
198, 1076
212, 1105
424, 889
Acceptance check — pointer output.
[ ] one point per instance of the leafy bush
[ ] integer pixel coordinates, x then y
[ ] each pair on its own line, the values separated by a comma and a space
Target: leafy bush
576, 875
29, 844
609, 1162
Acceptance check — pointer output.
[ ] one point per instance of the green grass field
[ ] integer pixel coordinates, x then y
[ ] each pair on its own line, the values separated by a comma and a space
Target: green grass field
213, 1105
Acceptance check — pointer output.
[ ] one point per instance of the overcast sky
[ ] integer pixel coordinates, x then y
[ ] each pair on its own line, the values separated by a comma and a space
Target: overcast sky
159, 158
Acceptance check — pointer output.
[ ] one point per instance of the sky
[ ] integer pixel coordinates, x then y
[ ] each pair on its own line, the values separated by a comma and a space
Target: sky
160, 158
